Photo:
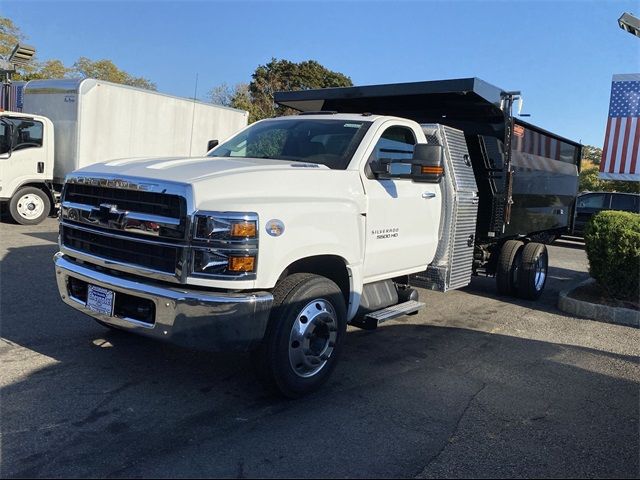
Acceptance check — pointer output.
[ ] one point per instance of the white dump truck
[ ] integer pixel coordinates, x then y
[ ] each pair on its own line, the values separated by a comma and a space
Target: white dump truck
69, 124
300, 225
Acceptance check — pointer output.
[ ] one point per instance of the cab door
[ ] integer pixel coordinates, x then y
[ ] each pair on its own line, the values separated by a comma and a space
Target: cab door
402, 216
23, 153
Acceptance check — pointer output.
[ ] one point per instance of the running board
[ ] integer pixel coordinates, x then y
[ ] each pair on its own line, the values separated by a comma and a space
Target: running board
373, 319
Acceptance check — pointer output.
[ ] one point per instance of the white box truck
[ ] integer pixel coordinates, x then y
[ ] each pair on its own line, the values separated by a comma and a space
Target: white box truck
69, 124
299, 225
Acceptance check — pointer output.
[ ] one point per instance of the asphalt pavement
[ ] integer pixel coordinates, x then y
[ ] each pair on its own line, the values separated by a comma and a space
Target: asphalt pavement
475, 385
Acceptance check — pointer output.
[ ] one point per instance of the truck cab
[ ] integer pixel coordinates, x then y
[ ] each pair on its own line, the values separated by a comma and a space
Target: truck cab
202, 251
26, 165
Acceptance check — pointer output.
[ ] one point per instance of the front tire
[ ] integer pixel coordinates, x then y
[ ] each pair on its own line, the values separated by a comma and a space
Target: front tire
304, 336
29, 206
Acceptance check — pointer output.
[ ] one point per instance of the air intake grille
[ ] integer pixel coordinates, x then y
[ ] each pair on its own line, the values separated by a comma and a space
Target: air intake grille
162, 258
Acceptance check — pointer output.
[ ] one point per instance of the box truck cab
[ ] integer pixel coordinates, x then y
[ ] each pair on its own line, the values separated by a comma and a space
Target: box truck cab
26, 165
73, 123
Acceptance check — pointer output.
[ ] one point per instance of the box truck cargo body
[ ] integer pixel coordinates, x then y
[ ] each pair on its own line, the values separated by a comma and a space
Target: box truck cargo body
95, 121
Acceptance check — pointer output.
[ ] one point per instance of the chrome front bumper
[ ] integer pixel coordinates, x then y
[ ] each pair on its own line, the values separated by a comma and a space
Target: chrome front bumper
190, 318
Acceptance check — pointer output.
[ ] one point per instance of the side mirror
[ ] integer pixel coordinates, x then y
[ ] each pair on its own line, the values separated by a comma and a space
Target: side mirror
212, 144
426, 164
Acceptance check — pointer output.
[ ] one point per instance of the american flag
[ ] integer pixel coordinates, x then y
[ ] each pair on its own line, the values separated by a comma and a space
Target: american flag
621, 141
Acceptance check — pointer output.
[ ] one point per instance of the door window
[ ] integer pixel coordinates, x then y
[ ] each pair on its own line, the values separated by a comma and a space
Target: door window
595, 200
627, 203
395, 144
27, 133
5, 140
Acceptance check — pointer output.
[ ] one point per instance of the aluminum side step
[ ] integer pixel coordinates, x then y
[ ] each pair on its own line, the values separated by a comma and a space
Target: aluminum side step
373, 319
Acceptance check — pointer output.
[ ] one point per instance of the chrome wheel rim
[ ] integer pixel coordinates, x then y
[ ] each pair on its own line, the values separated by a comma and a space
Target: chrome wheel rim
30, 206
541, 271
313, 338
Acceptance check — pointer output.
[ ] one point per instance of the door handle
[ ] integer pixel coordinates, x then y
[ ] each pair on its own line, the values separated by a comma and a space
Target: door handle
428, 195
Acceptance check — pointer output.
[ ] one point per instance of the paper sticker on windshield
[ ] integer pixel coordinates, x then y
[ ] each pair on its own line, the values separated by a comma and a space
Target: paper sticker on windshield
275, 228
352, 125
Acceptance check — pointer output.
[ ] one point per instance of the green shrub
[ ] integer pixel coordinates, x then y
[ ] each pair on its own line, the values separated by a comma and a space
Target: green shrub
613, 246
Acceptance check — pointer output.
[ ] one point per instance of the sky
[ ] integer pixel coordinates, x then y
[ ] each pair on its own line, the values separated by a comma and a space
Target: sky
560, 54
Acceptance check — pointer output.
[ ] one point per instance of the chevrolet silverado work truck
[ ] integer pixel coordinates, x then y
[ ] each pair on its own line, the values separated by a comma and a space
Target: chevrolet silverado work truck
300, 225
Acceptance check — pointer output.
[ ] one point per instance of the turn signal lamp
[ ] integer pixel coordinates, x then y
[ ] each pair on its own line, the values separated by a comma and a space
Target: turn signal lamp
432, 170
243, 229
241, 264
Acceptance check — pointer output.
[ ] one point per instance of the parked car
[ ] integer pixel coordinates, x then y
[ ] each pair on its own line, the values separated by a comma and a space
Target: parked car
588, 204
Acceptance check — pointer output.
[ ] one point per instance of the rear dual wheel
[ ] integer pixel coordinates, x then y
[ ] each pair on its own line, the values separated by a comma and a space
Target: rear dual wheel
508, 265
522, 269
532, 274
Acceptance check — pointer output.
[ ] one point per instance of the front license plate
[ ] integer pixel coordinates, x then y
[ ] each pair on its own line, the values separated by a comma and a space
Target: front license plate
100, 300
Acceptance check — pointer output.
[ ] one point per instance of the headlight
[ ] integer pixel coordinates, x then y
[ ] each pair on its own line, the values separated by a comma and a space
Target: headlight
226, 226
225, 245
219, 262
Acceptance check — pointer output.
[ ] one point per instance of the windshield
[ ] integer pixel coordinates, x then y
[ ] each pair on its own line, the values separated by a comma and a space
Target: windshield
328, 142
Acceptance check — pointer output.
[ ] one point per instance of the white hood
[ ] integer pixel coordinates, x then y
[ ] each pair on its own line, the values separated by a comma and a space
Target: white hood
239, 183
187, 169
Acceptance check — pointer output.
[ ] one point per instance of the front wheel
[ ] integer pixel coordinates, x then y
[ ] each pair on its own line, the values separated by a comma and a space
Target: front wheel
29, 206
304, 336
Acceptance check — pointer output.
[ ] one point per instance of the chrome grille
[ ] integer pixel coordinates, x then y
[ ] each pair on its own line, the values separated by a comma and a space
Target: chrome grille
153, 256
127, 226
151, 203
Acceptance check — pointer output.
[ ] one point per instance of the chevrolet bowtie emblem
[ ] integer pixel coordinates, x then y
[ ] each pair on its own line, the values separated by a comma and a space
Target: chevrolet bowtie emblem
109, 215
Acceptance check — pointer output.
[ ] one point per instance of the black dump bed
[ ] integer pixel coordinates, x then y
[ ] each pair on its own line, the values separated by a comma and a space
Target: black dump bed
527, 177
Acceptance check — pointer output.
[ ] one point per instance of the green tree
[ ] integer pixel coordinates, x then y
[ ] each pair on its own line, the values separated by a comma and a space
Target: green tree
48, 69
591, 154
10, 34
277, 75
107, 70
284, 75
